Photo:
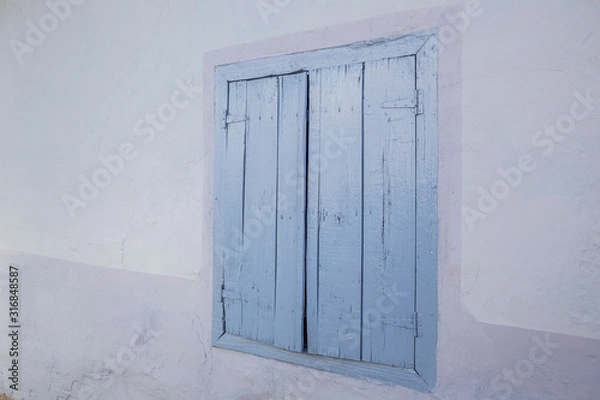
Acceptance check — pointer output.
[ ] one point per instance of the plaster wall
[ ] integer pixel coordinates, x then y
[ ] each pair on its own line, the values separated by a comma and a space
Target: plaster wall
515, 269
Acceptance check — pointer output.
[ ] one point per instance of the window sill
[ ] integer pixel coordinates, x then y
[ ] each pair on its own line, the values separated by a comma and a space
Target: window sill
390, 375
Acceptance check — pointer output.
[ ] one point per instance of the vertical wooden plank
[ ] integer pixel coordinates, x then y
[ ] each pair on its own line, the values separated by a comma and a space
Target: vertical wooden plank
220, 252
291, 212
339, 253
427, 212
230, 208
389, 206
312, 212
257, 280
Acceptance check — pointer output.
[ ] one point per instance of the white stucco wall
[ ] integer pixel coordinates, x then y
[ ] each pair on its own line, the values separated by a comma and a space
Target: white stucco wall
136, 256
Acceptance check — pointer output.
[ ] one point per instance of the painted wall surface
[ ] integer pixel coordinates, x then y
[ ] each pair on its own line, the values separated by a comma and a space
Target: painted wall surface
115, 277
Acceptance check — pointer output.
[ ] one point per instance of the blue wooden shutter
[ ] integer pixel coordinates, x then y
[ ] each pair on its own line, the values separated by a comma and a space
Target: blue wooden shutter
263, 210
361, 212
335, 210
389, 204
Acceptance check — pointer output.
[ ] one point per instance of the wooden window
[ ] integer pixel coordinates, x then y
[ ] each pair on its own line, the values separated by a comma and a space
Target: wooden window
325, 226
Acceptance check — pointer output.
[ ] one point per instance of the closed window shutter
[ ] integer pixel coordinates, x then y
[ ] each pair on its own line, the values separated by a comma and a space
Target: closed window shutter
325, 209
361, 212
389, 208
263, 201
335, 211
357, 214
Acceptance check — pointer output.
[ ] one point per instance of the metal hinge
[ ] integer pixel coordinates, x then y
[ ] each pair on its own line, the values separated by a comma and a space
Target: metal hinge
405, 323
415, 102
232, 119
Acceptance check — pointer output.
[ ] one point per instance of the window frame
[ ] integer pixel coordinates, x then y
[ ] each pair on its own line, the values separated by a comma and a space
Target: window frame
423, 46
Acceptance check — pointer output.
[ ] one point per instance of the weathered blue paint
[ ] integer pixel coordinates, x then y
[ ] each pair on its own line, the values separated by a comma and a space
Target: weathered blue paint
427, 213
291, 211
323, 58
389, 212
312, 223
257, 279
371, 213
338, 164
264, 141
231, 198
358, 369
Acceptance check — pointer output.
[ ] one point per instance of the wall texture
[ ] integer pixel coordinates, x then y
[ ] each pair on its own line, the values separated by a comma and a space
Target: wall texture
116, 265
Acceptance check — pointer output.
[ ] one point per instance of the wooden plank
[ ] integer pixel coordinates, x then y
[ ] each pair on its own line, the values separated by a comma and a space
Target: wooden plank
219, 249
312, 213
357, 369
389, 212
338, 284
257, 279
427, 212
354, 53
291, 211
230, 211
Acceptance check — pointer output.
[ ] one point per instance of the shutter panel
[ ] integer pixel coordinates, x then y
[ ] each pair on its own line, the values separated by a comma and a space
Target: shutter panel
230, 211
361, 212
266, 136
335, 212
257, 279
389, 206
